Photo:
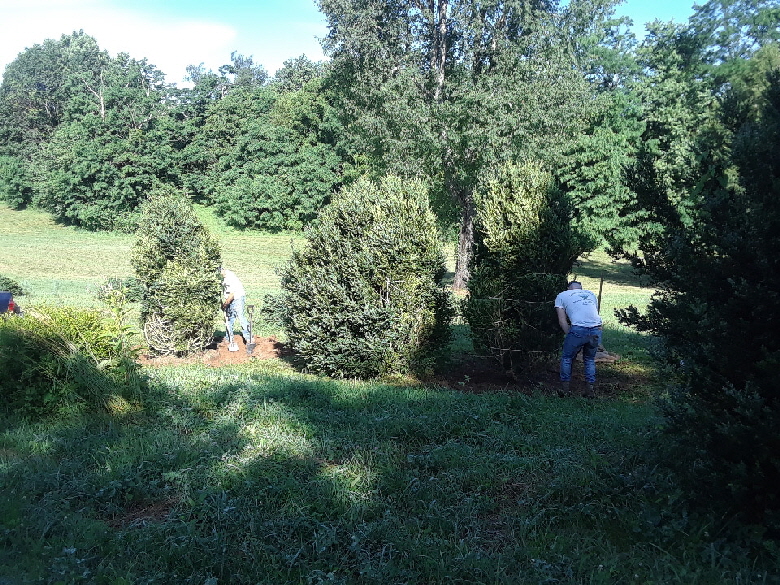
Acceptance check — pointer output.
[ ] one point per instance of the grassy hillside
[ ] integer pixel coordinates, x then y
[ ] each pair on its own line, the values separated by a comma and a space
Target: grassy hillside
63, 265
57, 264
260, 474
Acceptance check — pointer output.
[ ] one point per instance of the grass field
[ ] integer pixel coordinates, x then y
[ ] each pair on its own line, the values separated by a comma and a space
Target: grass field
260, 474
63, 265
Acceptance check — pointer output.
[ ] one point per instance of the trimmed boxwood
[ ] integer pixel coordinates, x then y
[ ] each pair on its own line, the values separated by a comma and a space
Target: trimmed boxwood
363, 298
176, 261
524, 249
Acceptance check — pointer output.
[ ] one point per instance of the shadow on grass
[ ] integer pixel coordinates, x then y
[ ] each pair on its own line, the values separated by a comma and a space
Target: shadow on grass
613, 272
255, 474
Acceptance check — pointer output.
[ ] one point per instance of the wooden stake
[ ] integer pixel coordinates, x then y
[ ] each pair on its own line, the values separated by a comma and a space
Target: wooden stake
601, 287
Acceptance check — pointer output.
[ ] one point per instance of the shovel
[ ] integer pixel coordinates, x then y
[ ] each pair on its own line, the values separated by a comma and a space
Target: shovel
232, 345
250, 344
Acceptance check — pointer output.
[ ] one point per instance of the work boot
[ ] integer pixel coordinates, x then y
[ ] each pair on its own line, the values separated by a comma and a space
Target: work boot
564, 390
588, 392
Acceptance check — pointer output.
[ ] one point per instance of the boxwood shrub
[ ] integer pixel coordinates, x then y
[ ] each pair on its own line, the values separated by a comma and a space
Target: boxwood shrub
363, 298
176, 261
524, 249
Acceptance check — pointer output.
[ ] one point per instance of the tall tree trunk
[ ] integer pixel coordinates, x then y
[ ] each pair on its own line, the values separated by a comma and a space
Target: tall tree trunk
440, 48
465, 242
439, 12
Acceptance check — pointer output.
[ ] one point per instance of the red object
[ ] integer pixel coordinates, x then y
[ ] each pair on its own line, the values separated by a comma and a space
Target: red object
11, 306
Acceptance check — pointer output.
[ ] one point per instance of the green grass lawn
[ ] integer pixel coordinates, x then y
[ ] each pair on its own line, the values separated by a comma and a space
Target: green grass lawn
260, 474
64, 265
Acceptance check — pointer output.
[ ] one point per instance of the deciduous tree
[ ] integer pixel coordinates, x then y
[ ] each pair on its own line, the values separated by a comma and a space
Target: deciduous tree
446, 89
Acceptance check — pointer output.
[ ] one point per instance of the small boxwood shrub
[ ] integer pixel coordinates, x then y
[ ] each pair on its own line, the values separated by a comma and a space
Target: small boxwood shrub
176, 261
524, 250
363, 298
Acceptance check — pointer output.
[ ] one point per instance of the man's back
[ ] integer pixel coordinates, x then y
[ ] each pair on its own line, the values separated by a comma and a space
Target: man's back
231, 284
581, 307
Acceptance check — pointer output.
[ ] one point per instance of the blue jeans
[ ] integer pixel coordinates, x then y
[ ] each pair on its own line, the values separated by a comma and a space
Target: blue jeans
588, 340
236, 310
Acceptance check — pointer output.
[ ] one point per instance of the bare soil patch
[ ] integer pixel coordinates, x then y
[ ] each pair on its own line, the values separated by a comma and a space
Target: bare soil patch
219, 354
480, 374
140, 514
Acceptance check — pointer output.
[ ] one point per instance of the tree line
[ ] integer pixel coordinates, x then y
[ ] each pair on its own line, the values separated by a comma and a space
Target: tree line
537, 131
88, 137
443, 91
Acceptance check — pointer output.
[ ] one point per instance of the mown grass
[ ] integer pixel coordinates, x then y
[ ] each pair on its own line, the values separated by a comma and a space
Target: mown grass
64, 265
257, 474
56, 264
260, 474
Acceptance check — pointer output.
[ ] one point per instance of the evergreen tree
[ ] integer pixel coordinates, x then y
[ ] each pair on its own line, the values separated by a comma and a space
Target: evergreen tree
525, 248
264, 158
364, 297
176, 261
712, 250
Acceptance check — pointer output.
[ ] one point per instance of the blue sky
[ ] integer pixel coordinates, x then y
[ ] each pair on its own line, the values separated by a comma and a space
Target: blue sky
175, 33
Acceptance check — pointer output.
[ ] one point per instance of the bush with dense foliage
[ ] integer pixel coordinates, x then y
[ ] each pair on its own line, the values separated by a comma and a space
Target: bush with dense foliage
264, 158
84, 135
15, 187
131, 289
55, 357
10, 285
717, 308
176, 261
364, 297
98, 171
524, 250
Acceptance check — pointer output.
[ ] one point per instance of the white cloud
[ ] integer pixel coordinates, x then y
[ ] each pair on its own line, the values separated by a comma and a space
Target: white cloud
169, 44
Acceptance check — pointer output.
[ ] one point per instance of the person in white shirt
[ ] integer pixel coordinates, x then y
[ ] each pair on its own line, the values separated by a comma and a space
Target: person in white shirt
578, 316
233, 301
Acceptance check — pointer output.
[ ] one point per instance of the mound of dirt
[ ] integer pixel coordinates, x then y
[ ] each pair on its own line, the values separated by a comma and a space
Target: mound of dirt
220, 355
603, 356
